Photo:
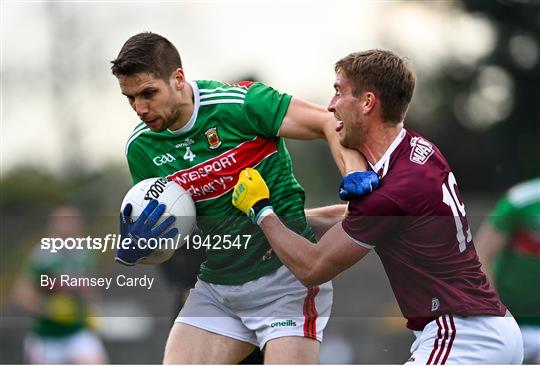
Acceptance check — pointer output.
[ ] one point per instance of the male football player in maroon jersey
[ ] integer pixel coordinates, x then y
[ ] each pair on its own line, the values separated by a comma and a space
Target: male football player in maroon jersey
415, 221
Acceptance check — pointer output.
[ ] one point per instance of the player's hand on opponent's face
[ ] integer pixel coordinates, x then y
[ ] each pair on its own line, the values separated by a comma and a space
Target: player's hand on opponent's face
358, 184
251, 193
140, 231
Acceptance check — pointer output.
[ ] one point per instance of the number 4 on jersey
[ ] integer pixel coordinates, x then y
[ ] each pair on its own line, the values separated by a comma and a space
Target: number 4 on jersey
189, 155
458, 211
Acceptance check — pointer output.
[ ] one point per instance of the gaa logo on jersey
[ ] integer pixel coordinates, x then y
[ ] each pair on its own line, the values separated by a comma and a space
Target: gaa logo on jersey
213, 138
163, 159
421, 150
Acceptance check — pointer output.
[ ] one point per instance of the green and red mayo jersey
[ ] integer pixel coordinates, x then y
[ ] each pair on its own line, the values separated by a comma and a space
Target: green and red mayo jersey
517, 268
232, 127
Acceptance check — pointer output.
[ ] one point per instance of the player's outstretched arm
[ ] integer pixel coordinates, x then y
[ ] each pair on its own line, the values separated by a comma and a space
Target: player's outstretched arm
308, 121
312, 264
321, 219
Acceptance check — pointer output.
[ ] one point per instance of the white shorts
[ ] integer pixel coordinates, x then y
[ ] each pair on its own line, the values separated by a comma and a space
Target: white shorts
273, 306
73, 348
531, 343
469, 340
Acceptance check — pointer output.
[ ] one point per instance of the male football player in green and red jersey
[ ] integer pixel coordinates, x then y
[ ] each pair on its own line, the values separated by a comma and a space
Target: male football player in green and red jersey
201, 134
508, 245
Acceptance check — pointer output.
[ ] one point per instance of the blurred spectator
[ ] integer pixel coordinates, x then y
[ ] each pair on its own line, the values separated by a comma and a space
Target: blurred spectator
508, 244
61, 332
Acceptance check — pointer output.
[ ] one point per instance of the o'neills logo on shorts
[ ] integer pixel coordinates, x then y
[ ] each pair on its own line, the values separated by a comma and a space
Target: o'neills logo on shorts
421, 150
217, 176
286, 323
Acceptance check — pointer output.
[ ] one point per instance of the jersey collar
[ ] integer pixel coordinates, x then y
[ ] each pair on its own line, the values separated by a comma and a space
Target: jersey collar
381, 167
196, 101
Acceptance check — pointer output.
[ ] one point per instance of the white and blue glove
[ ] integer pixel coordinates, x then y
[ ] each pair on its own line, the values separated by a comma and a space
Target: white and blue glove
140, 231
358, 184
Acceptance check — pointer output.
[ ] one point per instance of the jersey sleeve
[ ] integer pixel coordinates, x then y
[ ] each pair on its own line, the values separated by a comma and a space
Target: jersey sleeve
265, 109
371, 218
503, 215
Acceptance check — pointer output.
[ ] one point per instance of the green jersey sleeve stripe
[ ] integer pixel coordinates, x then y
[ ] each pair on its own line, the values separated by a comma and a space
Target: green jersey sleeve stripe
242, 89
525, 193
222, 101
131, 139
139, 127
216, 95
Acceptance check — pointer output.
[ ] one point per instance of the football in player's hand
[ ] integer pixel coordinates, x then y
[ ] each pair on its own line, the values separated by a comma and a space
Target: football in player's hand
178, 203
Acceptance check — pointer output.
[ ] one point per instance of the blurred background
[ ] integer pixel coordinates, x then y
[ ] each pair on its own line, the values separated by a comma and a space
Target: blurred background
64, 125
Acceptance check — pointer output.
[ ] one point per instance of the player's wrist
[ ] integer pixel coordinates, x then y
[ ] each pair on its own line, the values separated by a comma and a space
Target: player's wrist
260, 210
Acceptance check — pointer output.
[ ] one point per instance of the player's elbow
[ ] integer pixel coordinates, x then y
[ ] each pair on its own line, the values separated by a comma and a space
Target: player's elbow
308, 266
308, 282
312, 281
312, 277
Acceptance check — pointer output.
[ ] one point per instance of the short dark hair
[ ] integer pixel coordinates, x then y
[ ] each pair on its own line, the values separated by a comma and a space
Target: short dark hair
385, 73
147, 52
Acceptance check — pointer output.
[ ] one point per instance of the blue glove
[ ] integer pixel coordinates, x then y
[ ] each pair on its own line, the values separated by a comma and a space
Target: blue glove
358, 184
142, 230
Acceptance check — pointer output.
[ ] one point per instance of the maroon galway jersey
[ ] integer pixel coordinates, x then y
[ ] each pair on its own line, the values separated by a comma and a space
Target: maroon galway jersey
416, 222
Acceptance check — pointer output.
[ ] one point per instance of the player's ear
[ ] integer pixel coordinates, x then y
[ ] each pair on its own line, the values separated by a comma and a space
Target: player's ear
368, 101
177, 79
